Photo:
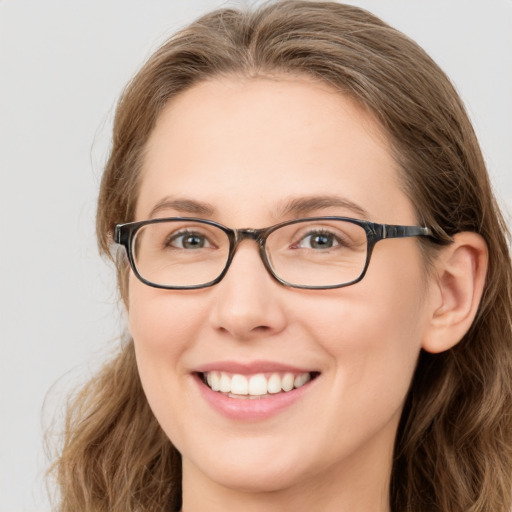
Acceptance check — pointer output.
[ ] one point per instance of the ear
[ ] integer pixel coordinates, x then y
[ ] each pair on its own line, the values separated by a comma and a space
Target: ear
456, 290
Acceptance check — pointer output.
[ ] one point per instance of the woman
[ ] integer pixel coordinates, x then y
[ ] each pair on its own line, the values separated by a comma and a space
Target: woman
283, 355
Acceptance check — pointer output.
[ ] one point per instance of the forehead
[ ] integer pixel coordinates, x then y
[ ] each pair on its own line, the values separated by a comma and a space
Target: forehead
245, 146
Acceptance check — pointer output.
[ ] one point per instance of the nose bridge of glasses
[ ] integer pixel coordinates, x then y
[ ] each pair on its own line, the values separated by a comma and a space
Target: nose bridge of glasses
248, 233
258, 235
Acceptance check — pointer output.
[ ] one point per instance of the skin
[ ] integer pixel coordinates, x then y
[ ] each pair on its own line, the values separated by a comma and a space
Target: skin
247, 147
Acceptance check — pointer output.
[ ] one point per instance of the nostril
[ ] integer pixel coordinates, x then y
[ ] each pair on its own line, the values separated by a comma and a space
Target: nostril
261, 328
241, 331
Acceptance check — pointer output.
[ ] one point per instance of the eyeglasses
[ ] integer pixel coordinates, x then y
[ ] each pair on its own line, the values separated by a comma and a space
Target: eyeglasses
313, 253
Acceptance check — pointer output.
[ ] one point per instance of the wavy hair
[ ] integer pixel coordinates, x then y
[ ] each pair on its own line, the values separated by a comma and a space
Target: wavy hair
453, 451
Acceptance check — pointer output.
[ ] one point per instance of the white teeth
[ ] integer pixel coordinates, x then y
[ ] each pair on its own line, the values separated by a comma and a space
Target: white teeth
225, 383
213, 379
274, 383
300, 380
256, 385
287, 383
239, 385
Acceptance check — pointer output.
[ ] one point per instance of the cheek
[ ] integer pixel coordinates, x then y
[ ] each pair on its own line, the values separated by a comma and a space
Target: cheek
162, 325
372, 332
159, 319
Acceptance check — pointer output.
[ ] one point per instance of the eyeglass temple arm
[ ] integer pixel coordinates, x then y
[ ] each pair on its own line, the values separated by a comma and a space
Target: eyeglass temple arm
395, 231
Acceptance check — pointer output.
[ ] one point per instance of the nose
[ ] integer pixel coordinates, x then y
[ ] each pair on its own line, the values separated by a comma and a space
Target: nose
248, 301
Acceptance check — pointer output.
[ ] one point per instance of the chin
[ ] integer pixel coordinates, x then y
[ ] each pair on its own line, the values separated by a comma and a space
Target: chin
249, 479
257, 467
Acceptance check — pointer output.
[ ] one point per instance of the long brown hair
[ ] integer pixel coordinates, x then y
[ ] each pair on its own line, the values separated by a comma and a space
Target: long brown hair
453, 450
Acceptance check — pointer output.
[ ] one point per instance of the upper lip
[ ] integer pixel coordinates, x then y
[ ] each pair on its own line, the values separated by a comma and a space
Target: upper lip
250, 368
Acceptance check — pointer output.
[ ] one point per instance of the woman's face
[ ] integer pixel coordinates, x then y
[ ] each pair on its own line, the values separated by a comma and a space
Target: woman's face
250, 154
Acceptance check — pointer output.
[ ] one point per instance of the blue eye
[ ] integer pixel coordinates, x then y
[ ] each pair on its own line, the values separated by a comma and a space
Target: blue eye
189, 240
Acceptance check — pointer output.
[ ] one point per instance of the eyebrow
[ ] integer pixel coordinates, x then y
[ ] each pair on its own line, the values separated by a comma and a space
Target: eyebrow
188, 206
308, 204
296, 206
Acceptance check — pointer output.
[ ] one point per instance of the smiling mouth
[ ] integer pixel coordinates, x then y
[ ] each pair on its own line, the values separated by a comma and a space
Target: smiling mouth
256, 386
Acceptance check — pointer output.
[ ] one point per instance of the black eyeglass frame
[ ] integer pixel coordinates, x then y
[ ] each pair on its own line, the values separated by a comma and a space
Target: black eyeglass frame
125, 233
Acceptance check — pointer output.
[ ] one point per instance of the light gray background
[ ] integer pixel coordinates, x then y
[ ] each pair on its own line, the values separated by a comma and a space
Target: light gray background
62, 66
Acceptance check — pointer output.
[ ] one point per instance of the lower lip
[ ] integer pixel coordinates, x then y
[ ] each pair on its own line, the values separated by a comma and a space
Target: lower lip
247, 409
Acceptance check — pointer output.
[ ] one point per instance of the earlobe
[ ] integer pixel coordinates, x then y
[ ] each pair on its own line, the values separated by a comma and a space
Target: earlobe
457, 288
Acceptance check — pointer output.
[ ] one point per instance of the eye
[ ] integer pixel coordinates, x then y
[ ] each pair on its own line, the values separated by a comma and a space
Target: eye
188, 240
319, 240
